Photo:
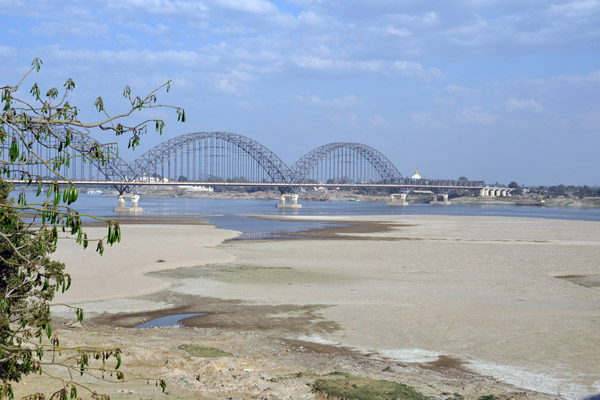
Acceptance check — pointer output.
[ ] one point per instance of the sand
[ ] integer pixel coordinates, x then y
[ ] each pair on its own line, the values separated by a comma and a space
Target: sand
121, 270
514, 299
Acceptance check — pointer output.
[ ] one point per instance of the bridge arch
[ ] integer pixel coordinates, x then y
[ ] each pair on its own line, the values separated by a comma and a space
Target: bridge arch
81, 166
210, 157
344, 161
114, 169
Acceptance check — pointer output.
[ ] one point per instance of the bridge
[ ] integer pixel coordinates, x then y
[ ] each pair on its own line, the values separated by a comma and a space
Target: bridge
230, 159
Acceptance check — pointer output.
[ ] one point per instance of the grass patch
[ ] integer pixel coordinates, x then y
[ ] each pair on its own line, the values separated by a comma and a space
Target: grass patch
201, 351
341, 385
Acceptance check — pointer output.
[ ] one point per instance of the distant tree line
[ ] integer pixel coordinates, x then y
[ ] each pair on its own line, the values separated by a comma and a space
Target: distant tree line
566, 191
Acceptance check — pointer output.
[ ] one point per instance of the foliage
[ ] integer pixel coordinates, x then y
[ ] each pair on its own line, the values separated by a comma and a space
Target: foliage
566, 191
346, 386
39, 138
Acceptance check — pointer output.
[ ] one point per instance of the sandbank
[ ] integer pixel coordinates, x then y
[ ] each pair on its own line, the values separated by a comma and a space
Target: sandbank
514, 298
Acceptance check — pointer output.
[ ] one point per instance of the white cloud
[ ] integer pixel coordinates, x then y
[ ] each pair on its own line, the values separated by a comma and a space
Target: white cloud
416, 70
162, 7
177, 57
75, 27
6, 51
234, 82
226, 86
593, 76
475, 115
311, 18
428, 18
251, 6
312, 62
513, 105
407, 68
337, 102
378, 121
390, 30
576, 8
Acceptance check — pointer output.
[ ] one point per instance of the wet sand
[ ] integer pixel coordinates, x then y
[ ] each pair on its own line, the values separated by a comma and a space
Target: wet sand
515, 299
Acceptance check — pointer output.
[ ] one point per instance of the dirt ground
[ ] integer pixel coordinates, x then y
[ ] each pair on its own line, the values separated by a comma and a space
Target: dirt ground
449, 305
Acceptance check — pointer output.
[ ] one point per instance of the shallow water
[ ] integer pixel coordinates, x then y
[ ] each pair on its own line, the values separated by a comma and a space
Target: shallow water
169, 320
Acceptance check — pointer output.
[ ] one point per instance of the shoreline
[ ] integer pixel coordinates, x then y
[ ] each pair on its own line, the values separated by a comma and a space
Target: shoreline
235, 289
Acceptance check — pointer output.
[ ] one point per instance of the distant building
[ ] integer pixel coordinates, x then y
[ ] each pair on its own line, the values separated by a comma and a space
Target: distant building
416, 176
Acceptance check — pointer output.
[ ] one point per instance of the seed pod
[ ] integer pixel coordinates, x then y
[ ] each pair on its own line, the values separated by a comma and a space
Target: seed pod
73, 197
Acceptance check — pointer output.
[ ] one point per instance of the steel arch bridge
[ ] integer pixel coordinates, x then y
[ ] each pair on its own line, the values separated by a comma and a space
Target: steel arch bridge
222, 158
212, 156
345, 162
80, 166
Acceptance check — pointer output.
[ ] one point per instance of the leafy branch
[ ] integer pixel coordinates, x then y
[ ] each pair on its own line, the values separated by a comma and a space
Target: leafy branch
40, 137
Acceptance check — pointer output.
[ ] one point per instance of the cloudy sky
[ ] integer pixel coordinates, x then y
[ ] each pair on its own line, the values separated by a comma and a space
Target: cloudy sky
498, 90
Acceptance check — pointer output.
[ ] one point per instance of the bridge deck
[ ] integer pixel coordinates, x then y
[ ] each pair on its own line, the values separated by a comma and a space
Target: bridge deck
264, 184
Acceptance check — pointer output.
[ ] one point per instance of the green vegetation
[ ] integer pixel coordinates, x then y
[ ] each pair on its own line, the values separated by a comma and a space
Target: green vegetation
201, 351
566, 191
488, 397
40, 136
453, 396
346, 386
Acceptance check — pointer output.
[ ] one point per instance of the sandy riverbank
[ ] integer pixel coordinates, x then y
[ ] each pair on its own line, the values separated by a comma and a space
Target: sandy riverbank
514, 300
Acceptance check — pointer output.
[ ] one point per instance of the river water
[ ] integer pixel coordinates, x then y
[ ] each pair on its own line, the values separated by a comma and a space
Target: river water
234, 213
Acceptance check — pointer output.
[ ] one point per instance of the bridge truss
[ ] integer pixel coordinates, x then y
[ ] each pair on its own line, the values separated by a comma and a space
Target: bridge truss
211, 157
343, 163
223, 158
80, 167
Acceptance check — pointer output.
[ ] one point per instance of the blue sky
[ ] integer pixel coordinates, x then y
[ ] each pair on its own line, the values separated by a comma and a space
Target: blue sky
498, 90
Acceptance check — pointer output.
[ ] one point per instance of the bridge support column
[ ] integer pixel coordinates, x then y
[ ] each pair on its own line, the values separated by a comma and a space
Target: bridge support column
504, 193
134, 209
292, 197
393, 200
444, 202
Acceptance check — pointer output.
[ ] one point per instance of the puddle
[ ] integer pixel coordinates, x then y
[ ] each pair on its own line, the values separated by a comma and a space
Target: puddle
169, 320
270, 235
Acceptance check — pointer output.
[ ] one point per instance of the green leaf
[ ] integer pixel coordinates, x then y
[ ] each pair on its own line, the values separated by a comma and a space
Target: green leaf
37, 63
99, 104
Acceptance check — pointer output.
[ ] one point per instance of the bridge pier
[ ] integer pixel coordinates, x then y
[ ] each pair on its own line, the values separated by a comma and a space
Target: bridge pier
134, 209
393, 200
444, 202
294, 201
